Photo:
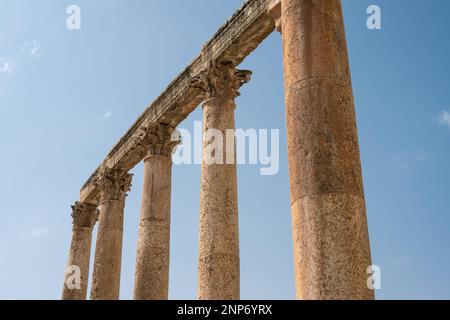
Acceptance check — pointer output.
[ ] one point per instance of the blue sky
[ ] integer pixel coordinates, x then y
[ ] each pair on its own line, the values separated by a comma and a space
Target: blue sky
67, 96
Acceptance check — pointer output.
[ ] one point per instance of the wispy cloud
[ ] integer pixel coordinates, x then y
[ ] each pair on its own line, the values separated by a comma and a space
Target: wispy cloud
32, 48
107, 114
6, 66
444, 118
413, 158
36, 233
422, 156
401, 260
35, 48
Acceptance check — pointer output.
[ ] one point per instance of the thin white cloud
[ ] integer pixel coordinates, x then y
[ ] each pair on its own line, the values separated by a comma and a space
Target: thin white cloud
32, 48
35, 48
444, 118
6, 66
107, 114
413, 158
401, 260
422, 156
36, 233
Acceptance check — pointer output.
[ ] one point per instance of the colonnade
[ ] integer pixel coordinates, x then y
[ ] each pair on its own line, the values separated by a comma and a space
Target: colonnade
329, 225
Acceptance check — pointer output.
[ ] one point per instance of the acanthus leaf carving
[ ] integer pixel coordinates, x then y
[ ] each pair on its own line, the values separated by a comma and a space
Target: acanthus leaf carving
114, 184
84, 215
220, 80
158, 139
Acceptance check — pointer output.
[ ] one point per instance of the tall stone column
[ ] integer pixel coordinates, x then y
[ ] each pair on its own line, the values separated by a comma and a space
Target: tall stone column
113, 185
84, 217
219, 266
331, 243
153, 248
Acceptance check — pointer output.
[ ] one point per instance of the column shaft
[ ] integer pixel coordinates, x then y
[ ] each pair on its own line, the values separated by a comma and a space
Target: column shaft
219, 265
77, 272
219, 275
114, 184
331, 244
153, 248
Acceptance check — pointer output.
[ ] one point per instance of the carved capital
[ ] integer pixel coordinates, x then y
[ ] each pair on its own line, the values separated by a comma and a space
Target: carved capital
84, 215
113, 184
158, 140
221, 80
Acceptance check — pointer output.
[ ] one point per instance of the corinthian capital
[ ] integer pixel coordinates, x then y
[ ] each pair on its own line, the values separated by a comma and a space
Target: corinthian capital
113, 184
221, 80
84, 215
158, 140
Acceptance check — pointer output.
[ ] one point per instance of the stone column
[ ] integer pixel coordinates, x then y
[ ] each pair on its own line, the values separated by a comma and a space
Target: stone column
113, 185
153, 247
219, 266
331, 243
84, 217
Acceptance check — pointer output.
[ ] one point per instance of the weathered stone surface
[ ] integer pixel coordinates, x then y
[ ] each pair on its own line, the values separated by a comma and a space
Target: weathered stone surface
84, 218
331, 244
234, 41
331, 247
113, 185
219, 272
157, 140
314, 33
153, 248
323, 136
220, 80
274, 10
219, 276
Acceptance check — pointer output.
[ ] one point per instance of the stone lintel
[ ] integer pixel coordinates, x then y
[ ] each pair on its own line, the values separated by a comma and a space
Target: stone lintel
274, 11
234, 41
